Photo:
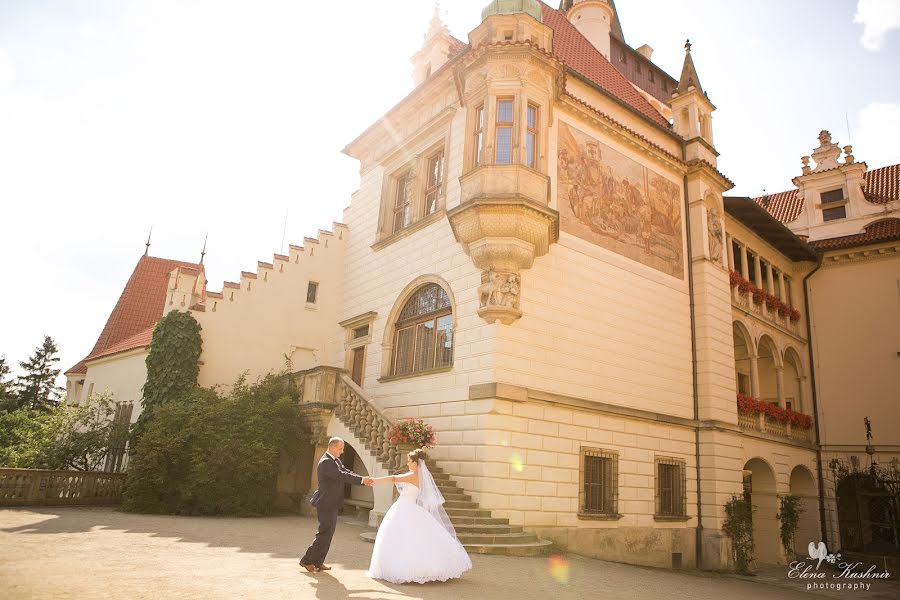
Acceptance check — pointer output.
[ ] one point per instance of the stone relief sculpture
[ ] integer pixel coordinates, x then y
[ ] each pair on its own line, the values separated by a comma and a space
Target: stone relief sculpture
714, 233
499, 289
613, 201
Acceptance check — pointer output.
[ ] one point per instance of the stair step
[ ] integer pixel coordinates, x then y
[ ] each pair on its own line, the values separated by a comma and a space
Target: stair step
459, 504
486, 529
467, 512
497, 538
477, 521
537, 548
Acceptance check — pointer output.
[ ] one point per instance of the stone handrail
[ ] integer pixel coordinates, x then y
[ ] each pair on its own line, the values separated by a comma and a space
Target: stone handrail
37, 487
367, 422
324, 388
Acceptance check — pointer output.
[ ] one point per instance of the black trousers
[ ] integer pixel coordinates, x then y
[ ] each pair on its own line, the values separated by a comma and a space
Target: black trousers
315, 554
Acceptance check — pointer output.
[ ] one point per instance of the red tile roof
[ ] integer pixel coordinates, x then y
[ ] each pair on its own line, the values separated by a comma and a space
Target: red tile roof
882, 186
573, 49
141, 340
884, 230
139, 307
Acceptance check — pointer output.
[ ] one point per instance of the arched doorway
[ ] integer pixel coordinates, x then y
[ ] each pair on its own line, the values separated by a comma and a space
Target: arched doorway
793, 382
743, 350
803, 485
763, 497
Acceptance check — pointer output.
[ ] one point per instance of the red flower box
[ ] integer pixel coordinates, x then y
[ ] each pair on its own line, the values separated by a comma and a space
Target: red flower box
795, 315
734, 278
412, 431
759, 295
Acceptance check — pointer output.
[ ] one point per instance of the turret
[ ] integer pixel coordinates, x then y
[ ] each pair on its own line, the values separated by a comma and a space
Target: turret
692, 113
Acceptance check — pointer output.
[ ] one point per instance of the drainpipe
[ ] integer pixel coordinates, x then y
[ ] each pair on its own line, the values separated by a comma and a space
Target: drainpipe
690, 263
812, 379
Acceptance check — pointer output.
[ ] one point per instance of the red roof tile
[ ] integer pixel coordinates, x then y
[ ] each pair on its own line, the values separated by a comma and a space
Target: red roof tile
884, 230
573, 49
882, 186
139, 307
141, 340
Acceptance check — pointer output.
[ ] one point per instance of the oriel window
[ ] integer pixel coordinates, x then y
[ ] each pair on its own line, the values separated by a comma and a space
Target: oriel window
479, 134
504, 131
531, 137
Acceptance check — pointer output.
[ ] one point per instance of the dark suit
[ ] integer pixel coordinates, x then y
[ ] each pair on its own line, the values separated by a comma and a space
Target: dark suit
328, 500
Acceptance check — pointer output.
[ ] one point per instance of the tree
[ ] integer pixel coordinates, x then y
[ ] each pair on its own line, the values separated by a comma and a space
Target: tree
59, 437
7, 387
37, 387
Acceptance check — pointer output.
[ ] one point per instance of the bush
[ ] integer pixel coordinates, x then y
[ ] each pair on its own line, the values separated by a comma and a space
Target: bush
213, 454
790, 508
738, 526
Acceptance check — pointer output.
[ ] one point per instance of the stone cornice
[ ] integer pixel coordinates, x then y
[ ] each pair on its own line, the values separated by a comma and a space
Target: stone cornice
515, 393
623, 133
834, 258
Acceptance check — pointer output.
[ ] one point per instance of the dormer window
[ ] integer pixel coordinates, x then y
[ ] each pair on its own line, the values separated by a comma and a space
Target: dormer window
836, 198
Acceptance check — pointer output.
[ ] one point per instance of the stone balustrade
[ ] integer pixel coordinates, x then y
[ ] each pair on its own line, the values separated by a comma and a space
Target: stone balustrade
762, 423
745, 303
36, 487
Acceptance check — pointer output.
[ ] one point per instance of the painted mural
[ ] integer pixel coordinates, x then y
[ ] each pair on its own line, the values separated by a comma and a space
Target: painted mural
610, 200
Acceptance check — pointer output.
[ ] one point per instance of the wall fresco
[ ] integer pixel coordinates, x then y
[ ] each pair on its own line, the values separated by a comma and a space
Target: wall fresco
610, 200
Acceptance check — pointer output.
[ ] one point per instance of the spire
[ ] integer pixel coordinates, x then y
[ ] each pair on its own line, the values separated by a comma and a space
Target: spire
147, 248
436, 26
689, 75
203, 252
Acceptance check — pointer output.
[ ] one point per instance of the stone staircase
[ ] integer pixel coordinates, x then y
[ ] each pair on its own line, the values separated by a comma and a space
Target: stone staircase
478, 530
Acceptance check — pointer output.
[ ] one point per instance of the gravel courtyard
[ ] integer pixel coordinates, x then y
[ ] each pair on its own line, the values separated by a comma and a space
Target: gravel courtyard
102, 553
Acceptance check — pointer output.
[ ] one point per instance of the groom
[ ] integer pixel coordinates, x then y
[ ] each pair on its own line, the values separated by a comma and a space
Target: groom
328, 499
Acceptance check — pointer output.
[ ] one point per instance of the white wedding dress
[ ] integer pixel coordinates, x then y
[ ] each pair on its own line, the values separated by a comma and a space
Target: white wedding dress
413, 545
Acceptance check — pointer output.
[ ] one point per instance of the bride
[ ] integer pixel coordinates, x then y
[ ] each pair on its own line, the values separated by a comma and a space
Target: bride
416, 541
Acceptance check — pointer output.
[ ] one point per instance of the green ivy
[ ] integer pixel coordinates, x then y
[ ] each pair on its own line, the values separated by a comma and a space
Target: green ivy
789, 515
738, 526
173, 364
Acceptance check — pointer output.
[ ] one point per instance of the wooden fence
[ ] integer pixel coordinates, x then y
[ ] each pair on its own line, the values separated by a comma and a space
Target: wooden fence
34, 487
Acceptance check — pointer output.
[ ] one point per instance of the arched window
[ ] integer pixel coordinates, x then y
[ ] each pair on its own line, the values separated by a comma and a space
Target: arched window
423, 338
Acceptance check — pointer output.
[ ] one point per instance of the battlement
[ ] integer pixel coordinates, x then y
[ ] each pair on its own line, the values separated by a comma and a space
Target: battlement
187, 286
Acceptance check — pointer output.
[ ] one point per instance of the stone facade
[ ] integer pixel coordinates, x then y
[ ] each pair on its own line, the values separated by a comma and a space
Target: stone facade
597, 304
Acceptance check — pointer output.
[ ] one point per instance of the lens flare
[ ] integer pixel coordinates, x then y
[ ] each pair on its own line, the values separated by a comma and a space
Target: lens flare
517, 464
559, 568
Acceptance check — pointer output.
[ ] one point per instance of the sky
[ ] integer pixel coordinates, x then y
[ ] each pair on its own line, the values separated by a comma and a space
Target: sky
227, 118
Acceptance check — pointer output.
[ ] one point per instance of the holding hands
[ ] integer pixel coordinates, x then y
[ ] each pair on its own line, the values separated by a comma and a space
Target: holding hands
368, 481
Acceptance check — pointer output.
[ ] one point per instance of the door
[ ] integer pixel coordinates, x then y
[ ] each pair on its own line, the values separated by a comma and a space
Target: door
359, 363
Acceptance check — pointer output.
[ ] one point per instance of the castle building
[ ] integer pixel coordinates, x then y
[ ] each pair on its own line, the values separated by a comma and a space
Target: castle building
542, 263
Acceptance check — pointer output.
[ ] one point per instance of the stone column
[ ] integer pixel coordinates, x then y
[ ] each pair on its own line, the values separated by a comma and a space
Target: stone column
758, 269
730, 249
781, 293
745, 268
754, 376
779, 384
770, 281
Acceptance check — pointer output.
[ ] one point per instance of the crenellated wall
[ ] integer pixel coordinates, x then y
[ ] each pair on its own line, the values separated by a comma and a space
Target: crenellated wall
263, 322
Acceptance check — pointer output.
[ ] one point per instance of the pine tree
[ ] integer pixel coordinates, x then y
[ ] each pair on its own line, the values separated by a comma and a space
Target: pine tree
7, 387
37, 387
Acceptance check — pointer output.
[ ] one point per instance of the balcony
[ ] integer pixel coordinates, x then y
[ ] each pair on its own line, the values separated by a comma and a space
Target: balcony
766, 310
504, 224
769, 418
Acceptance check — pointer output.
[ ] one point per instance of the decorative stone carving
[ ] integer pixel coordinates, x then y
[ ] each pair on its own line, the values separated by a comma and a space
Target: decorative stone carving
714, 232
827, 153
499, 296
848, 155
503, 232
806, 169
